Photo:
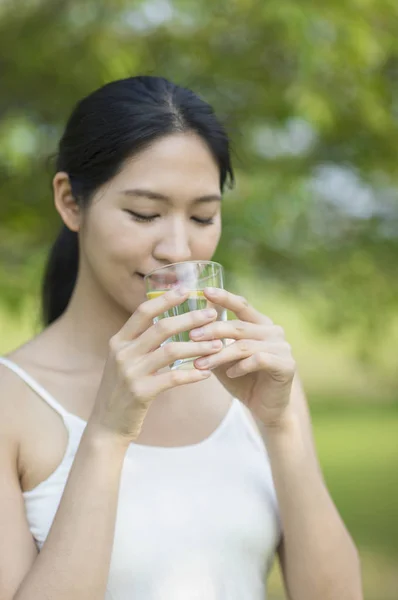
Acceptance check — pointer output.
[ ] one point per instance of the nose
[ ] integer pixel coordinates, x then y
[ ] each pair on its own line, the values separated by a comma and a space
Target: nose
173, 245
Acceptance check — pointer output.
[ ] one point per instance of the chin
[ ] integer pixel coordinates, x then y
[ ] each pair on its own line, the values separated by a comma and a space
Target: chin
132, 303
127, 298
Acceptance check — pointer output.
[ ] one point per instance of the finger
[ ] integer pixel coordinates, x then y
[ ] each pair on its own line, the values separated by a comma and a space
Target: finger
169, 353
239, 350
143, 316
236, 330
152, 385
163, 329
280, 368
237, 304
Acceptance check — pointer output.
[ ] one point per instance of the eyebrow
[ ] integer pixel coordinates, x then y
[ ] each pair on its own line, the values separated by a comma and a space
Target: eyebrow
140, 193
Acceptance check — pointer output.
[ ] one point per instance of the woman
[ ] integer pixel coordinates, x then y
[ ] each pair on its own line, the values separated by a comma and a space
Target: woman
122, 479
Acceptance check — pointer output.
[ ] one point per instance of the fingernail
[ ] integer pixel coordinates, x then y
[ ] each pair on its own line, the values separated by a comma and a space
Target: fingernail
180, 290
202, 362
212, 291
205, 373
210, 312
197, 333
216, 344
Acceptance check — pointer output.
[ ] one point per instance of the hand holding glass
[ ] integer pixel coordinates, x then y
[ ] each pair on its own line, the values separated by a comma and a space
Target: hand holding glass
194, 276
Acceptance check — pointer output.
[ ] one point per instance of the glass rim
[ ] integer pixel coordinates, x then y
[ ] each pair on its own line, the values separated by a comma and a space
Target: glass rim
183, 262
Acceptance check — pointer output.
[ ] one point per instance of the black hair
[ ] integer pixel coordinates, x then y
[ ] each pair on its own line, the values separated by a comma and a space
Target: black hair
105, 128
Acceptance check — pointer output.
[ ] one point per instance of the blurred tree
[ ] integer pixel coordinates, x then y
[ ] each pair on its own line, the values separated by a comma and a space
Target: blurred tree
308, 92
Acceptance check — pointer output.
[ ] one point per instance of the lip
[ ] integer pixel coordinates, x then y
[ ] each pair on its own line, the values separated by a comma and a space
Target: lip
166, 278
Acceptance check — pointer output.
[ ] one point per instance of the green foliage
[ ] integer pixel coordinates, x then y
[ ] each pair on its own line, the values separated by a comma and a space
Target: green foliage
308, 92
358, 453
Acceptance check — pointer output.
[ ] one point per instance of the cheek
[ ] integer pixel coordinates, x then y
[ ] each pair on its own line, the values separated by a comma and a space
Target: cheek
112, 255
121, 237
112, 242
205, 241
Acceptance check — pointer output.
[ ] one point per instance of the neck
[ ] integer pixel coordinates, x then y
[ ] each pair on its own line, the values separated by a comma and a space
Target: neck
89, 322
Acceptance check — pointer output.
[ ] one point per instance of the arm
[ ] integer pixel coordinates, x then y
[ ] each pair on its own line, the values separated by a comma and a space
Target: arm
317, 555
74, 561
319, 559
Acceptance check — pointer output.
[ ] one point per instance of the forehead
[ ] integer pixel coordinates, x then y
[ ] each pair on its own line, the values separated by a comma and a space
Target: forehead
171, 162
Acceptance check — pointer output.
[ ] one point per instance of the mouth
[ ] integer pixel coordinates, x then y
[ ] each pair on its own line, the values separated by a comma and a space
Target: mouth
164, 279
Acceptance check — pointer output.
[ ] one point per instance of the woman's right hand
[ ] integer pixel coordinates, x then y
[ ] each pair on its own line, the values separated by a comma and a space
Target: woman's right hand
131, 380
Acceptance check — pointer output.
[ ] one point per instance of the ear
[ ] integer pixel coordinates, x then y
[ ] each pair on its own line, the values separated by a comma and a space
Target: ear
65, 202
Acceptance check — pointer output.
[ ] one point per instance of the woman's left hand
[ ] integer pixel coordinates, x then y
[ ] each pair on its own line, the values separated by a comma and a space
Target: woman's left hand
258, 367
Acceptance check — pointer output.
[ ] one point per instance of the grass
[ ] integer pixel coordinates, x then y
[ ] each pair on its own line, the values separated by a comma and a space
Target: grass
358, 450
329, 365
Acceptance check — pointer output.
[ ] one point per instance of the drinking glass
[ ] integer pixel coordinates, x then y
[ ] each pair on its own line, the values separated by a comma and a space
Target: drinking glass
193, 276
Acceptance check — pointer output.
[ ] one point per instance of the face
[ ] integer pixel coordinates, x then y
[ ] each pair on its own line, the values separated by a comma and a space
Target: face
163, 207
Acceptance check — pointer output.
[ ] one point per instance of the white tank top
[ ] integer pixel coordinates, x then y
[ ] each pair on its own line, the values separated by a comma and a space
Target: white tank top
197, 522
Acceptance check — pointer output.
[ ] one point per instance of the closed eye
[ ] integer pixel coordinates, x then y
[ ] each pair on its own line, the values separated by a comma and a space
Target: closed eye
141, 218
209, 221
150, 218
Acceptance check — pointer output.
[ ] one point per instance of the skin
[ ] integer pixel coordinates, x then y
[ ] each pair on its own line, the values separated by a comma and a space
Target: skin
71, 356
115, 246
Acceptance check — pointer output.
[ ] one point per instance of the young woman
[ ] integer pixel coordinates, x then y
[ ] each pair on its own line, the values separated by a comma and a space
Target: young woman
121, 479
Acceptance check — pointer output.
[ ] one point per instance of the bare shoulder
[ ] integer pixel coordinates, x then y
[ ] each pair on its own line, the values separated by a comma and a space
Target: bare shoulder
28, 426
17, 547
9, 426
13, 418
16, 408
13, 393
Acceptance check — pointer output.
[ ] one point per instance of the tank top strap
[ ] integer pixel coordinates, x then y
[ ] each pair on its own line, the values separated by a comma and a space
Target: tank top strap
35, 386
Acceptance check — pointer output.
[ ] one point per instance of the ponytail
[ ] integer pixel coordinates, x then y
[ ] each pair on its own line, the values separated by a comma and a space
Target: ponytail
60, 275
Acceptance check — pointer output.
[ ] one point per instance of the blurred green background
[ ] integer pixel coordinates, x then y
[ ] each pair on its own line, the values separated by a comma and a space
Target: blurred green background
309, 94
